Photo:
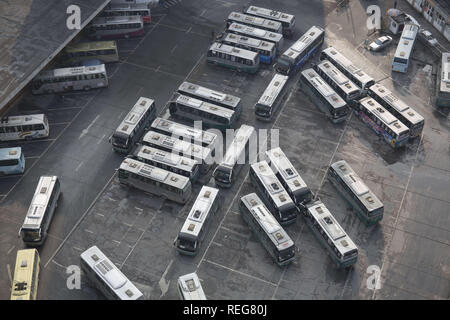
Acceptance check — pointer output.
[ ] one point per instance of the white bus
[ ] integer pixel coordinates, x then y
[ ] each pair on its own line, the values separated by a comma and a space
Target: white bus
70, 79
134, 125
189, 287
267, 229
180, 147
233, 58
257, 33
116, 27
273, 193
366, 204
157, 181
187, 133
443, 82
393, 131
40, 213
235, 157
257, 22
272, 98
168, 161
330, 234
288, 176
323, 96
338, 81
297, 54
107, 277
351, 71
287, 20
12, 161
211, 115
125, 10
405, 47
195, 227
27, 127
265, 49
408, 116
221, 99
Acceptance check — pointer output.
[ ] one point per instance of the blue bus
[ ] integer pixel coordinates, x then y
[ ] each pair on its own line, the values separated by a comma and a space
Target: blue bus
12, 161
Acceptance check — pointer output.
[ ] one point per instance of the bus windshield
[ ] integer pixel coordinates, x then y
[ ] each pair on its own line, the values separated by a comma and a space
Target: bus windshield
30, 234
286, 254
262, 109
223, 174
9, 162
186, 244
400, 60
283, 64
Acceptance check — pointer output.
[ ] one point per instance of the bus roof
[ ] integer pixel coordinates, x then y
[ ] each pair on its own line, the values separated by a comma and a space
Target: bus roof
255, 32
238, 52
338, 77
326, 221
190, 287
10, 153
110, 274
267, 221
359, 188
407, 39
248, 41
273, 89
126, 7
67, 72
203, 106
297, 48
200, 210
135, 115
324, 89
237, 145
154, 173
92, 45
23, 271
206, 93
100, 21
21, 120
255, 21
164, 157
396, 103
381, 113
181, 130
445, 72
270, 14
38, 206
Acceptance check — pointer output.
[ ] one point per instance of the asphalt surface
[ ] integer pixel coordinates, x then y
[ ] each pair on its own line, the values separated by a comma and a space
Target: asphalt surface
137, 230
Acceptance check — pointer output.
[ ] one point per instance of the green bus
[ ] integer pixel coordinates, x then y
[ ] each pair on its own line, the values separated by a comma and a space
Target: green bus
105, 51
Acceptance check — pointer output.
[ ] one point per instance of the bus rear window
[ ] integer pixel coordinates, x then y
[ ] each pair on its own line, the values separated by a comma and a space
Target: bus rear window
400, 60
9, 162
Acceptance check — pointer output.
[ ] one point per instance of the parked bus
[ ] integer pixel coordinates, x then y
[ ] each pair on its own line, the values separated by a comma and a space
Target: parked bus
297, 54
186, 133
191, 110
168, 161
105, 51
338, 81
265, 49
40, 214
27, 127
351, 71
235, 157
330, 234
116, 27
443, 82
189, 287
26, 275
288, 176
287, 20
134, 125
257, 33
394, 132
221, 99
233, 58
126, 10
399, 109
180, 147
405, 47
272, 98
273, 193
267, 229
323, 96
70, 79
157, 181
12, 161
365, 203
256, 22
107, 277
195, 227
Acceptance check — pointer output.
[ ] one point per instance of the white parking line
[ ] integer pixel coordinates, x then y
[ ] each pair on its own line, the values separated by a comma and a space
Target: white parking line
79, 166
8, 268
9, 251
86, 131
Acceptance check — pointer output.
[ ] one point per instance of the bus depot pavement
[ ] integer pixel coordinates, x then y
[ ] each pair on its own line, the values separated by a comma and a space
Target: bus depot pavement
136, 230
